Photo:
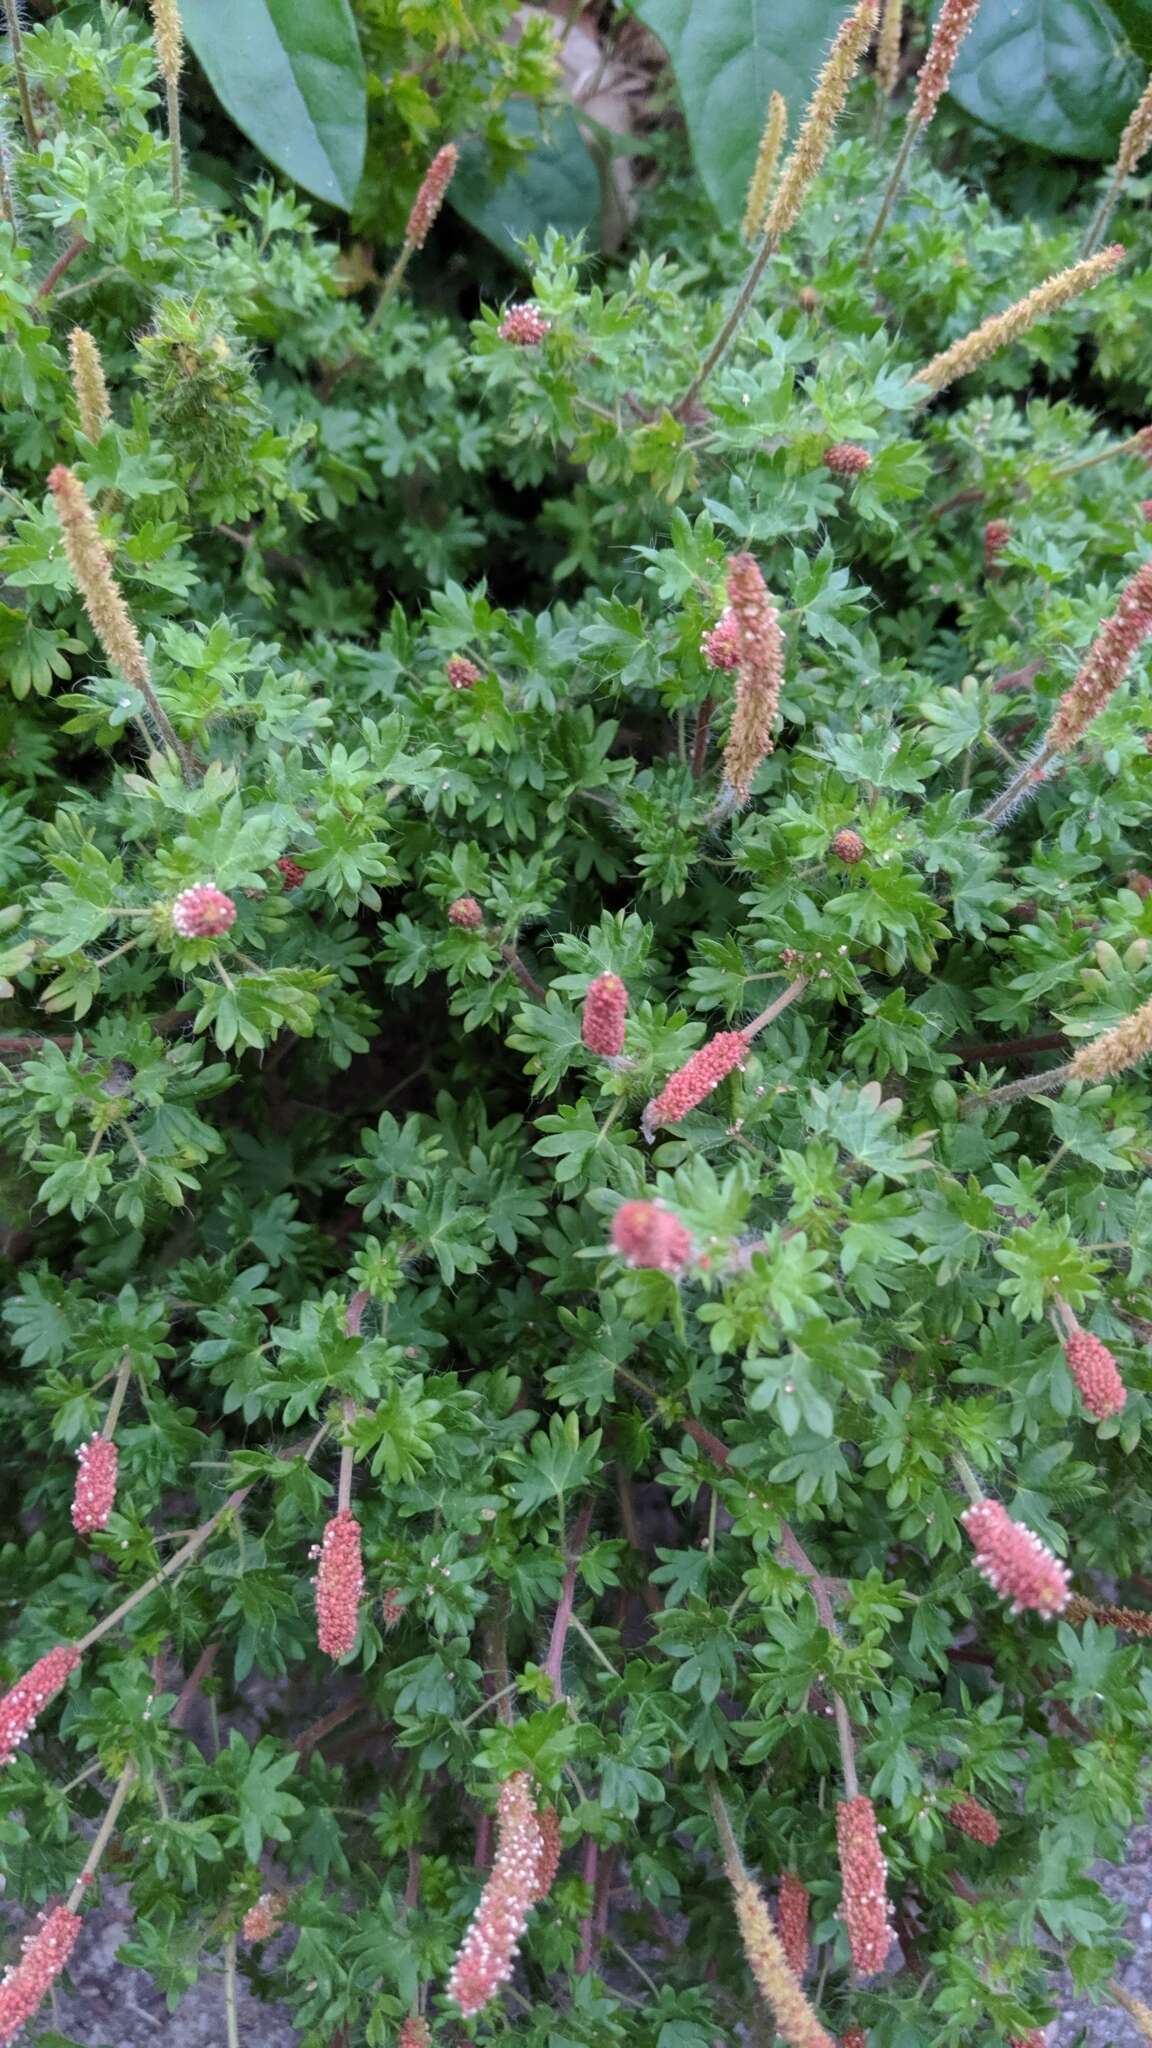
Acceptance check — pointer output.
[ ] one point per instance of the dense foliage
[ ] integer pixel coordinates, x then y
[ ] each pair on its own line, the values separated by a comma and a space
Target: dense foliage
660, 1509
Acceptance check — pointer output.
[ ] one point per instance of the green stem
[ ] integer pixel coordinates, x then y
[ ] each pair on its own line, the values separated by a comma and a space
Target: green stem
1102, 215
892, 188
732, 324
176, 153
231, 2007
118, 1393
967, 1478
103, 1836
16, 38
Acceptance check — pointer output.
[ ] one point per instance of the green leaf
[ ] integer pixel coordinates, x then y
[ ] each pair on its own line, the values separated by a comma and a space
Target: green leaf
1056, 73
293, 79
557, 187
728, 57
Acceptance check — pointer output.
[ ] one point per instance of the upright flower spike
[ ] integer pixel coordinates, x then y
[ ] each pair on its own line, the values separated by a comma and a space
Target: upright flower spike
43, 1958
975, 1820
888, 45
764, 170
203, 912
1096, 1374
605, 1012
794, 2019
689, 1085
1000, 329
489, 1948
95, 1491
792, 1921
952, 25
339, 1585
1014, 1561
168, 38
1134, 144
1106, 664
646, 1235
21, 1708
89, 388
430, 197
864, 1905
760, 671
824, 110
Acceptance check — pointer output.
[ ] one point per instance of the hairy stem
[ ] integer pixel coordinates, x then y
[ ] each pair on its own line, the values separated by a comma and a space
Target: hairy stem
892, 188
16, 38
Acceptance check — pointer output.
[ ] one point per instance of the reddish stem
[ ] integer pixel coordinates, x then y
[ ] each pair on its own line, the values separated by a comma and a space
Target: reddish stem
561, 1621
47, 284
702, 736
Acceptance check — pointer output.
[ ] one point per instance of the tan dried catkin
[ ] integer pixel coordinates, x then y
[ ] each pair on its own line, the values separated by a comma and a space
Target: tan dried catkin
767, 157
889, 45
88, 385
824, 109
999, 329
168, 37
1137, 136
1114, 1051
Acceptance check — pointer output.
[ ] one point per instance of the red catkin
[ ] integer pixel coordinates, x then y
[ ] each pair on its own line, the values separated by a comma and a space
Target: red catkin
1014, 1561
952, 25
1096, 1373
550, 1847
489, 1948
524, 325
864, 1905
605, 1010
847, 458
646, 1235
972, 1819
95, 1491
1146, 508
203, 912
466, 913
21, 1708
689, 1085
43, 1957
430, 197
720, 646
760, 672
792, 1921
339, 1584
1106, 663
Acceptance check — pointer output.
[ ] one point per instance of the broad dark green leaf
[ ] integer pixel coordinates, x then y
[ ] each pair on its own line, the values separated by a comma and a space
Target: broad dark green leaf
292, 77
557, 186
1135, 18
1055, 73
728, 57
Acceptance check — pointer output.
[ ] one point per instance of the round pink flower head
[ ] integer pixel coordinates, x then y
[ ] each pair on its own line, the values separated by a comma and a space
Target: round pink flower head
647, 1235
466, 913
44, 1956
974, 1820
792, 1921
864, 1905
1014, 1561
721, 646
605, 1009
95, 1492
21, 1708
689, 1085
1096, 1373
847, 458
462, 673
264, 1919
203, 912
524, 325
339, 1584
430, 197
488, 1951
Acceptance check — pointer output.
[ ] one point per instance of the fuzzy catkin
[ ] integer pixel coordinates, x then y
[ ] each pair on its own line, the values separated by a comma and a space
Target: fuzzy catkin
488, 1950
796, 2023
111, 621
1125, 1045
168, 36
1014, 1561
952, 25
888, 46
1134, 1621
646, 1235
20, 1709
264, 1919
689, 1085
44, 1956
430, 197
824, 109
339, 1585
1096, 1374
792, 1921
767, 156
1106, 663
94, 1494
88, 384
1137, 136
975, 1820
864, 1906
604, 1016
1001, 328
759, 673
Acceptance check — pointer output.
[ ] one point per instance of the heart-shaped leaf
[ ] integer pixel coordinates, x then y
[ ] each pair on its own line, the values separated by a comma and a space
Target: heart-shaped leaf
1056, 73
557, 186
292, 78
728, 57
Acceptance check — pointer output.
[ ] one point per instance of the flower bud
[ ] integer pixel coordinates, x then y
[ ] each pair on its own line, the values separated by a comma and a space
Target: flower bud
203, 912
430, 197
848, 847
265, 1918
466, 913
846, 458
997, 535
524, 325
647, 1235
1096, 1373
462, 673
720, 646
291, 873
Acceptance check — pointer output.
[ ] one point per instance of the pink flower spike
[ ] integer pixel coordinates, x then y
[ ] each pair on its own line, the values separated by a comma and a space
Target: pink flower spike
864, 1905
44, 1956
721, 646
95, 1492
21, 1708
339, 1583
689, 1085
605, 1009
203, 912
430, 197
1096, 1373
1014, 1561
489, 1948
647, 1235
524, 325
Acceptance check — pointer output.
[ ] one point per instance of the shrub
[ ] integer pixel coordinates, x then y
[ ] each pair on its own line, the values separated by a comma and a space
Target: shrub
585, 1161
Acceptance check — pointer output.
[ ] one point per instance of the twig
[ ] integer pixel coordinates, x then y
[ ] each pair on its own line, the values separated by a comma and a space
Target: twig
16, 38
75, 248
192, 1684
118, 1392
511, 958
103, 1835
231, 2013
